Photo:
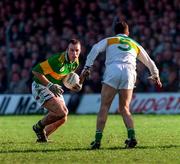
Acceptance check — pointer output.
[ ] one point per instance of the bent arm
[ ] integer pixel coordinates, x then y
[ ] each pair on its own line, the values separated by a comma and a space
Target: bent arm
148, 62
41, 78
96, 49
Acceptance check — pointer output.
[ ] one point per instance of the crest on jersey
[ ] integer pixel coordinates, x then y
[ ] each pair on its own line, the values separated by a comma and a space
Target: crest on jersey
62, 69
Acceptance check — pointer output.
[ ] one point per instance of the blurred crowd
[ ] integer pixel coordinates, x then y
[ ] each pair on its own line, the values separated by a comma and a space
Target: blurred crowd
31, 31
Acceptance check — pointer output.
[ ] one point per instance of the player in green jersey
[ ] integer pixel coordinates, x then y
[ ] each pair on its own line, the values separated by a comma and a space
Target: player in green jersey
47, 90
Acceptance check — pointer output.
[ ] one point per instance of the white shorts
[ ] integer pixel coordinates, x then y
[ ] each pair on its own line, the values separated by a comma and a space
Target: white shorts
42, 93
120, 76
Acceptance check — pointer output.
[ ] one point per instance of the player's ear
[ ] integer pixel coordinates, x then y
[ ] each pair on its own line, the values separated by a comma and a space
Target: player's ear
80, 48
127, 33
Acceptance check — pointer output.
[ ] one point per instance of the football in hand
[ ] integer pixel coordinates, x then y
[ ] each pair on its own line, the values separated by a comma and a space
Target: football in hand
71, 81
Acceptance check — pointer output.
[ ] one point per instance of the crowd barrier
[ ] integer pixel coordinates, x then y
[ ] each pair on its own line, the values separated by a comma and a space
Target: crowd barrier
155, 103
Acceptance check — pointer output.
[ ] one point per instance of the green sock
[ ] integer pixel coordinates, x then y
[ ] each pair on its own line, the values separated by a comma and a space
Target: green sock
131, 133
39, 125
98, 136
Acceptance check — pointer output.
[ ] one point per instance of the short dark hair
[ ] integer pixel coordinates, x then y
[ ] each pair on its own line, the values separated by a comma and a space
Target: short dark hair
74, 41
121, 27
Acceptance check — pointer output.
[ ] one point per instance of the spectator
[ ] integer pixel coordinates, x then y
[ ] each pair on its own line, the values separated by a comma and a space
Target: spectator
39, 26
3, 78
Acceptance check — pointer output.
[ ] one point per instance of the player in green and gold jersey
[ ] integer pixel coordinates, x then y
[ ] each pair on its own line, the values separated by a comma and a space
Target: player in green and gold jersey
47, 90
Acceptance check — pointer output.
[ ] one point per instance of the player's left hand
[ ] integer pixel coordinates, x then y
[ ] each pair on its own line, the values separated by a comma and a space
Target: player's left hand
155, 79
55, 89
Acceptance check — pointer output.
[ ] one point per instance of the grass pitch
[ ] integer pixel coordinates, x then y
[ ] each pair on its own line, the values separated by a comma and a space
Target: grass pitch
158, 137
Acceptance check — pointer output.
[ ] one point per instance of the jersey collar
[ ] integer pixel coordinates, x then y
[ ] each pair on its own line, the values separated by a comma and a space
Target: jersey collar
122, 35
67, 57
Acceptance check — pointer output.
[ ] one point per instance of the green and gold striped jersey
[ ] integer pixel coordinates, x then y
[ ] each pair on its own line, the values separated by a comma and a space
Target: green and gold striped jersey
55, 68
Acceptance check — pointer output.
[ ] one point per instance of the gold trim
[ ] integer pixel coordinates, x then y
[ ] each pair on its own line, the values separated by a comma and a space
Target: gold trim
113, 41
117, 41
56, 75
46, 67
48, 70
135, 47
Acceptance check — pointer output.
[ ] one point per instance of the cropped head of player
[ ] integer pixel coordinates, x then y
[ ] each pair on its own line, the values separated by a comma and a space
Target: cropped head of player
121, 28
74, 49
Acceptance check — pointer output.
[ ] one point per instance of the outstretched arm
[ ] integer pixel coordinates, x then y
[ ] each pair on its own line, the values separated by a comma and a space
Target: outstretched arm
96, 49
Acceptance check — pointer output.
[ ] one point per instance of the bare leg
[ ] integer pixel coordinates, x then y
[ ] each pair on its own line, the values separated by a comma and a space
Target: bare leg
52, 127
57, 111
124, 102
107, 95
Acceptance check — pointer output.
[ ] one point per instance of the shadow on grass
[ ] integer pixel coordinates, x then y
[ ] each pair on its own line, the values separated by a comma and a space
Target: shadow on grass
159, 147
145, 147
80, 149
42, 151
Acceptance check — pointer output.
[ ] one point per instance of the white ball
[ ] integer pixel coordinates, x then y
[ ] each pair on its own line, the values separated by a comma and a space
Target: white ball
72, 80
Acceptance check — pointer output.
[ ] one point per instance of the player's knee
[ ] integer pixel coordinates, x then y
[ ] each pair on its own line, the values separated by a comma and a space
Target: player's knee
64, 119
66, 111
62, 112
61, 115
124, 110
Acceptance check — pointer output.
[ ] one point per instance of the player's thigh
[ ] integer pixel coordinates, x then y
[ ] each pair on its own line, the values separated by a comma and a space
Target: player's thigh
40, 93
48, 100
56, 105
107, 95
125, 97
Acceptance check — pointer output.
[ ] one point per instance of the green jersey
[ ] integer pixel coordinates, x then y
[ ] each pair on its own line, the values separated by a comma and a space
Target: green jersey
55, 68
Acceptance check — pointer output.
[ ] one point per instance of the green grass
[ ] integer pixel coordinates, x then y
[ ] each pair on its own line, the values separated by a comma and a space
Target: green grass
158, 137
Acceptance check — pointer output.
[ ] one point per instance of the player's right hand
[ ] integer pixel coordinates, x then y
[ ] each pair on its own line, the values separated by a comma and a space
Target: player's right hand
84, 74
77, 88
55, 89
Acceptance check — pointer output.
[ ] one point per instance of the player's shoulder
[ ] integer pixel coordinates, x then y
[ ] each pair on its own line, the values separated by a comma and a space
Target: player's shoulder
107, 39
59, 54
135, 42
128, 38
62, 56
57, 57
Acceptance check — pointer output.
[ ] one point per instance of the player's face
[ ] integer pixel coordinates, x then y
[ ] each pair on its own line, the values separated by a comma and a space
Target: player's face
74, 51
